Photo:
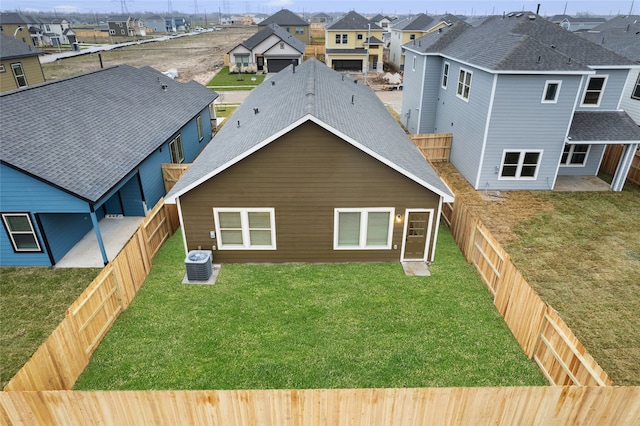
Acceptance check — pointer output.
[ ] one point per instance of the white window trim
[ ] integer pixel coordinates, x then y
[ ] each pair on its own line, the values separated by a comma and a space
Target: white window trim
14, 67
244, 223
520, 161
568, 164
636, 88
364, 215
446, 68
461, 95
584, 94
200, 128
546, 87
12, 233
173, 142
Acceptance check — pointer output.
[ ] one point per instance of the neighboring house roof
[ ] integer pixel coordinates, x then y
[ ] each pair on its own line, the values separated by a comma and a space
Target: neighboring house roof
311, 92
119, 18
603, 126
11, 48
11, 18
276, 30
353, 21
620, 34
283, 18
589, 19
321, 15
520, 41
88, 132
373, 40
420, 22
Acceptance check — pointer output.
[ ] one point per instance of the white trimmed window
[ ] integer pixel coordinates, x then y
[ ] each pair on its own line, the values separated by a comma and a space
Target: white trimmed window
635, 93
245, 228
299, 30
594, 90
369, 228
520, 164
464, 84
20, 229
200, 129
575, 155
413, 63
551, 91
19, 75
175, 148
445, 75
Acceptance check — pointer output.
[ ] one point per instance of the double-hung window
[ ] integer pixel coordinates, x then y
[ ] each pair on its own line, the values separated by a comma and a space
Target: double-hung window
299, 30
445, 75
245, 228
20, 229
464, 84
594, 90
200, 129
520, 164
635, 93
551, 91
175, 148
367, 228
342, 38
18, 74
575, 155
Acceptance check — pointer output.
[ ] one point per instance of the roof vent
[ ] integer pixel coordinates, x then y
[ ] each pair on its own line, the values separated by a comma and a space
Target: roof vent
531, 17
256, 110
519, 15
539, 59
273, 83
164, 87
353, 98
511, 15
238, 123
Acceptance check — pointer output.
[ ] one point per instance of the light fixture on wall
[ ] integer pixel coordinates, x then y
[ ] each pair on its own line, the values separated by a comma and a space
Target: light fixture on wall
398, 218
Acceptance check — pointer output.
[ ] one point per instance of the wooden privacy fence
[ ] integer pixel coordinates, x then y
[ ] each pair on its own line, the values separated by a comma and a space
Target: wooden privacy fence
538, 328
435, 147
373, 407
60, 360
611, 159
171, 173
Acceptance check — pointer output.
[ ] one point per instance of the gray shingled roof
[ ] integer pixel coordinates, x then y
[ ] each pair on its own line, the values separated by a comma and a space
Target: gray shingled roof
313, 92
11, 48
420, 22
519, 42
84, 134
284, 17
603, 126
353, 21
267, 31
620, 34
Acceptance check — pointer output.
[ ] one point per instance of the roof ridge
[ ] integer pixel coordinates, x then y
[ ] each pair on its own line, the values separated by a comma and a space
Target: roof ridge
310, 90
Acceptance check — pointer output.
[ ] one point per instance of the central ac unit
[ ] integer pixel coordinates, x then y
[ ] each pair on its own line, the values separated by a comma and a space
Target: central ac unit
199, 265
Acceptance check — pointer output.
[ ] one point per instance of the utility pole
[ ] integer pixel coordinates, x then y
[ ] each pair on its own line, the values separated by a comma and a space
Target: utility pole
366, 68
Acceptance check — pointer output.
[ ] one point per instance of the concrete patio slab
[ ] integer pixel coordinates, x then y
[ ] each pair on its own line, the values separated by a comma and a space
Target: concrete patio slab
417, 268
115, 231
580, 183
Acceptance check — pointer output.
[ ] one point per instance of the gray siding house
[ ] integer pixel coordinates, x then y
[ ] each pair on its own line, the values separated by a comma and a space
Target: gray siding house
526, 101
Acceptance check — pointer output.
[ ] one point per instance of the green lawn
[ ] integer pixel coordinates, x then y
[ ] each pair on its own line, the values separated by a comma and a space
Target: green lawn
33, 301
310, 326
223, 80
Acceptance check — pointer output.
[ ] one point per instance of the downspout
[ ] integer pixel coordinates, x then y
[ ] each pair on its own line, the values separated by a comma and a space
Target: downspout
96, 228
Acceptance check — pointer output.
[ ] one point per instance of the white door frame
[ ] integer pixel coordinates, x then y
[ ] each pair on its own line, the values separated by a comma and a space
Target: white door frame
428, 236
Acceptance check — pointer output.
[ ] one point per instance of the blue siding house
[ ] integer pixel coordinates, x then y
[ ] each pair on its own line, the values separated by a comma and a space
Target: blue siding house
75, 151
525, 100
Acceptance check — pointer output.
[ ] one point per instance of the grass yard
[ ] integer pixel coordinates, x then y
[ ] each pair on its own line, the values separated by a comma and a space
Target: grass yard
581, 252
224, 80
33, 301
310, 326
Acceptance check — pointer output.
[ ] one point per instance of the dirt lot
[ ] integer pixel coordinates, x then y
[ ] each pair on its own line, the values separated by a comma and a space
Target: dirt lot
196, 57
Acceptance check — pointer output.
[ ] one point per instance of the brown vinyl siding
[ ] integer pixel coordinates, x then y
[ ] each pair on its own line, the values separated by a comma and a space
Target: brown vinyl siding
303, 175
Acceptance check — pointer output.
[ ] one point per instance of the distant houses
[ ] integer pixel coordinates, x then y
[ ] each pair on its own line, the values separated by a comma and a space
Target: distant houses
19, 64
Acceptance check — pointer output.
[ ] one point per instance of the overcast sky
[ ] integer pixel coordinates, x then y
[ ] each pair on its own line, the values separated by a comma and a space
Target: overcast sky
469, 7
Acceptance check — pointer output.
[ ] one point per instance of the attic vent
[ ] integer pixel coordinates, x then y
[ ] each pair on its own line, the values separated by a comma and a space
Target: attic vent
531, 17
519, 15
511, 15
